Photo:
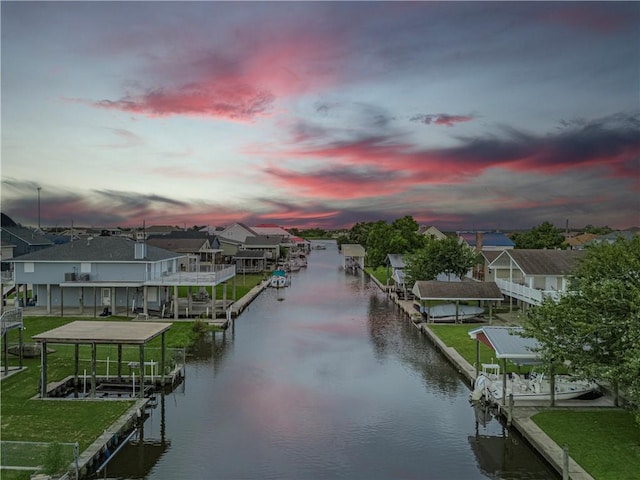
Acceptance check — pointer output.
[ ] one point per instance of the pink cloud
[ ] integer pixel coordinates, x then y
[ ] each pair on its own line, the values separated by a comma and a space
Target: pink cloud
240, 84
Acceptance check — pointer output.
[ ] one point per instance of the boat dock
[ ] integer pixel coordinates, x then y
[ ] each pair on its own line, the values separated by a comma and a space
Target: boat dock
519, 417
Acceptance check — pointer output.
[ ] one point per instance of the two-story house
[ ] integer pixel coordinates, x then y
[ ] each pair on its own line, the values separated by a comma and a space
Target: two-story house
530, 275
112, 274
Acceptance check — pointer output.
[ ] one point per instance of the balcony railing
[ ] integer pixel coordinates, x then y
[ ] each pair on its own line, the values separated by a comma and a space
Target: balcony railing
220, 274
529, 295
7, 276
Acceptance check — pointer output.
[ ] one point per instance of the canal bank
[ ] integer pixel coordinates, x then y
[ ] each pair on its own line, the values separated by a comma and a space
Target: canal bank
521, 417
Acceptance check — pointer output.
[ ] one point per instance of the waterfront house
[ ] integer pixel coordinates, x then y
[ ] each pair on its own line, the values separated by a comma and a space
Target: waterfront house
395, 273
486, 241
250, 261
110, 274
237, 232
25, 240
269, 245
529, 275
432, 232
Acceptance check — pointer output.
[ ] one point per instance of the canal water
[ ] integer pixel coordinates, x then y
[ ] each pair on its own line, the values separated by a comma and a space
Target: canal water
324, 379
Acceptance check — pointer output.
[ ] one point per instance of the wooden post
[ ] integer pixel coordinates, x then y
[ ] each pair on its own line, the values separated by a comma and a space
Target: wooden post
175, 302
141, 391
5, 352
43, 373
20, 353
163, 347
565, 462
93, 370
504, 381
119, 362
76, 364
510, 410
477, 357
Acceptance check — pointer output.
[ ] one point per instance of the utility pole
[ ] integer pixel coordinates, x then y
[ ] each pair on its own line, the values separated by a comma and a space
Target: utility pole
39, 188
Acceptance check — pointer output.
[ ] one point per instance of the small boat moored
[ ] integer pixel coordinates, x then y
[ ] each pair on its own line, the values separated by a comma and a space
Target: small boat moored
279, 279
535, 386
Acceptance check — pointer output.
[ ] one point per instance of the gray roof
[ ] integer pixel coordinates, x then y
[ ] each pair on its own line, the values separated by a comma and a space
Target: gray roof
97, 249
28, 236
182, 245
545, 262
506, 342
434, 290
396, 260
263, 240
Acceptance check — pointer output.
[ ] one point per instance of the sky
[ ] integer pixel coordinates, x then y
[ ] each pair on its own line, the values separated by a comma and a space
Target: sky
464, 115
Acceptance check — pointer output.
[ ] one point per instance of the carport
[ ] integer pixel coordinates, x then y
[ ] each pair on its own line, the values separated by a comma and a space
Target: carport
106, 333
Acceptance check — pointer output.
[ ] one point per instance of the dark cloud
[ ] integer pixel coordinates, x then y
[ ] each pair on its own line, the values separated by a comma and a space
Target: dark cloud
445, 119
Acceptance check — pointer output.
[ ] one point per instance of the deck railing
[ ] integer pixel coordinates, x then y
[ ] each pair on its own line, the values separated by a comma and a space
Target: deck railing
11, 318
527, 294
220, 274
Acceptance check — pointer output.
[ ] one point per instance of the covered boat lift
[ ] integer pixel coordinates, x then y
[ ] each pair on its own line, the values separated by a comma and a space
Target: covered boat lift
426, 291
508, 344
99, 332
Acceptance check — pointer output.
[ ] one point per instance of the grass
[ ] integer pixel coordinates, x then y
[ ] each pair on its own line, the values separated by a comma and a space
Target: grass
24, 419
606, 443
244, 283
457, 336
379, 273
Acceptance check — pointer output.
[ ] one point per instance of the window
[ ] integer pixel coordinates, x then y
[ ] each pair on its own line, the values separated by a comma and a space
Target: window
29, 267
85, 267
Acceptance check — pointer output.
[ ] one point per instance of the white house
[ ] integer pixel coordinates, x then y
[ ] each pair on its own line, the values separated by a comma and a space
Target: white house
529, 275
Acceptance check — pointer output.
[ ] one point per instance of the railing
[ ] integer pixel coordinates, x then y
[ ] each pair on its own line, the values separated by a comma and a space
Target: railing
219, 275
7, 275
524, 293
11, 318
36, 456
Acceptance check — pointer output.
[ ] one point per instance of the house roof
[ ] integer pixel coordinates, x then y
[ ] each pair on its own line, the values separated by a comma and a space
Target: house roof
28, 236
490, 255
97, 249
489, 239
435, 290
396, 260
506, 342
544, 262
580, 239
180, 245
270, 229
353, 250
263, 241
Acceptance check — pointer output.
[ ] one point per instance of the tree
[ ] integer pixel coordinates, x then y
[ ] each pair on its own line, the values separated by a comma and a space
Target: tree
544, 235
597, 325
439, 256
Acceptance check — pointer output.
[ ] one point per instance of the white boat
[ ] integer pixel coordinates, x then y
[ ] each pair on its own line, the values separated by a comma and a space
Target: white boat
279, 279
536, 387
447, 312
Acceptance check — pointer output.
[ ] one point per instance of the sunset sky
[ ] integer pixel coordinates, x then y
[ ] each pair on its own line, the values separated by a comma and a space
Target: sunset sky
463, 115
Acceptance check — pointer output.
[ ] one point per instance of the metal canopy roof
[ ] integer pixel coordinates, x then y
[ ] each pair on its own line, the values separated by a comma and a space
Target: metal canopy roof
435, 290
353, 250
104, 332
506, 342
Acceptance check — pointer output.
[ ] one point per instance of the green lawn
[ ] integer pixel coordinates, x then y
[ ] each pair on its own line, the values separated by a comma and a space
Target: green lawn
457, 336
244, 283
52, 420
379, 273
606, 443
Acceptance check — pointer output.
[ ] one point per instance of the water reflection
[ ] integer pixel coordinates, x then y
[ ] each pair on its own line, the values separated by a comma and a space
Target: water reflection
326, 379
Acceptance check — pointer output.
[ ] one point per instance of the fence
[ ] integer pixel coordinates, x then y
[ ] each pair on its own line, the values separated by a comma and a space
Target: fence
51, 458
